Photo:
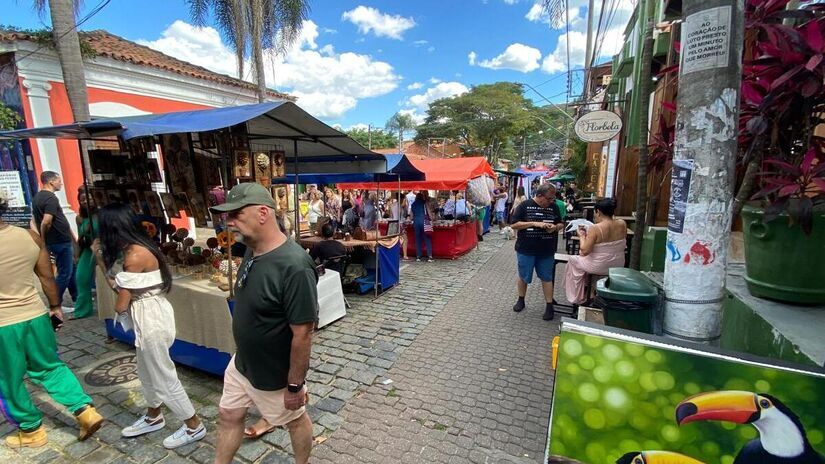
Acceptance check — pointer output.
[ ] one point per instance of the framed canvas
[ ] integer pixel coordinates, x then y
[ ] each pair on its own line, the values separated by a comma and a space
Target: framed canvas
133, 198
153, 204
170, 205
242, 163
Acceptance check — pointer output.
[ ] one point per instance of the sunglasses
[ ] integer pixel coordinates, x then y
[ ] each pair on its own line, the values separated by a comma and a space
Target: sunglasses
242, 280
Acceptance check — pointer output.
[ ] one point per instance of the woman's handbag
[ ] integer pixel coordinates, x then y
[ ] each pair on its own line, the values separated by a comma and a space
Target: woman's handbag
428, 223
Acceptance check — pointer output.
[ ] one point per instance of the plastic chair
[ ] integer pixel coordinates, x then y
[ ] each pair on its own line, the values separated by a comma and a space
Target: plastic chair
339, 264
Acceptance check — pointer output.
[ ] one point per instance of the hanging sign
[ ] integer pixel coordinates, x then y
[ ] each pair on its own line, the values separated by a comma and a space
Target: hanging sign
598, 126
706, 40
18, 214
679, 190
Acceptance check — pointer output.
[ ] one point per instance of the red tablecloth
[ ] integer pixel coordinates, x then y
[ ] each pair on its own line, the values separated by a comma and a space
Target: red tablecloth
448, 241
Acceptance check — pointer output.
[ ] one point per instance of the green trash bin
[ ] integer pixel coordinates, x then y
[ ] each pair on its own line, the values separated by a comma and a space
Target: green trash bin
628, 299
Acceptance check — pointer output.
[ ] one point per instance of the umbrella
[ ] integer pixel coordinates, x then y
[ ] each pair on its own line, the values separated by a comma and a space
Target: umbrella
563, 178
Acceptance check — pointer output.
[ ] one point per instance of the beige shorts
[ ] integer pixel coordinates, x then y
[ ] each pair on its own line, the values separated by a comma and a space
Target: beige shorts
239, 393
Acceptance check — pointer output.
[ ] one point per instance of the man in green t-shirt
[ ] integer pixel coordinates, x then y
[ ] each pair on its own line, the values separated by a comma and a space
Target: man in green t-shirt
276, 309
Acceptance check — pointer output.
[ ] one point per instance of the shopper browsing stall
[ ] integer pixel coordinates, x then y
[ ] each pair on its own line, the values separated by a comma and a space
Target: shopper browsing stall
138, 273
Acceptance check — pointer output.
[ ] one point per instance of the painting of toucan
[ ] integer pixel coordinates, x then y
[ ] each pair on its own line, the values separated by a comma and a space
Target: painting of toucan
782, 438
656, 457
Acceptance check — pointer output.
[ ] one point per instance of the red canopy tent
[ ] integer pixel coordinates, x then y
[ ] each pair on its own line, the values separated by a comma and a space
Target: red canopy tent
448, 240
439, 174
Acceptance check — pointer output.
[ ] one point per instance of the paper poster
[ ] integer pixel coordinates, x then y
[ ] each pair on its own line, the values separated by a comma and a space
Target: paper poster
627, 398
706, 40
679, 190
12, 188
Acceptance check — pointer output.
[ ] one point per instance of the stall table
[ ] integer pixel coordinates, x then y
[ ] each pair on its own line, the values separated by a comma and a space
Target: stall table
449, 240
203, 323
388, 251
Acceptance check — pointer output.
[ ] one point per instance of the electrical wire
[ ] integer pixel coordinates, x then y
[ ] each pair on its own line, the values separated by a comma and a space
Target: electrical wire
89, 16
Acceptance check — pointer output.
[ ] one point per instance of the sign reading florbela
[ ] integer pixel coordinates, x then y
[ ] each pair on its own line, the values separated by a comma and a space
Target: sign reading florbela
598, 126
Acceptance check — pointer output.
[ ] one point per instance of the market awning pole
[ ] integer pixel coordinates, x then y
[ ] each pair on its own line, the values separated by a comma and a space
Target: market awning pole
377, 234
297, 225
85, 184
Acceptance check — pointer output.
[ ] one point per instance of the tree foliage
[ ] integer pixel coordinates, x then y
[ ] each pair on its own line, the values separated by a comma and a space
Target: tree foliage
380, 138
400, 123
8, 118
496, 120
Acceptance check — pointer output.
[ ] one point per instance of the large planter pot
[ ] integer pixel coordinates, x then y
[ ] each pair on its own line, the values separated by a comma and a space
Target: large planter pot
782, 262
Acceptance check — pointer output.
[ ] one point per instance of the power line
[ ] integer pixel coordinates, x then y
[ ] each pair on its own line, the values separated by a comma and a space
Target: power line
89, 16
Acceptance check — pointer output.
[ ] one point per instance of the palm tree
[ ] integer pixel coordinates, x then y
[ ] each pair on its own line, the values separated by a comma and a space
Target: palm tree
402, 123
254, 25
67, 43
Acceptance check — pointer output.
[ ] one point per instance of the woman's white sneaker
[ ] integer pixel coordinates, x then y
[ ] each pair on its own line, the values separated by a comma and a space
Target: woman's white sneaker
143, 426
184, 436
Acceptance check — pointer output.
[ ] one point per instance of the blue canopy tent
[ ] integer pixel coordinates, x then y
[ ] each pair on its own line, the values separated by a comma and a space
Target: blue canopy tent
387, 263
309, 146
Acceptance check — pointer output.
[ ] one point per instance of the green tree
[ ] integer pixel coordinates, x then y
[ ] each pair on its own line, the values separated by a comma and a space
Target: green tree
254, 25
8, 118
380, 138
493, 119
401, 123
67, 44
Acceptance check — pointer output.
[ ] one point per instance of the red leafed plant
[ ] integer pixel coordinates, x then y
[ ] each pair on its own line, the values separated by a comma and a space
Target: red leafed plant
783, 108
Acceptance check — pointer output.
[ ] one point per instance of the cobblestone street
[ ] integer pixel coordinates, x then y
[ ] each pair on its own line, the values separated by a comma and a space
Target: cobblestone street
470, 379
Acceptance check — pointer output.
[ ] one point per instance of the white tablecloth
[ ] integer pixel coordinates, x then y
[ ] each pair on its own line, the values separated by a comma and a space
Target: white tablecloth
202, 315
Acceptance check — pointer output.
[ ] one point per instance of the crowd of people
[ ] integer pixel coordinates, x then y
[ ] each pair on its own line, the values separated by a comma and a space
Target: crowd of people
275, 313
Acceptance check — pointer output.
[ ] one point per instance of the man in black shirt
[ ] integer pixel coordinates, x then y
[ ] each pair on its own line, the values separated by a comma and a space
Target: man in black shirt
328, 248
538, 221
53, 227
276, 309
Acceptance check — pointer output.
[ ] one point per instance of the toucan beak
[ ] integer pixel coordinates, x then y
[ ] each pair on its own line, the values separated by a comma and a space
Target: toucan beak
668, 457
729, 406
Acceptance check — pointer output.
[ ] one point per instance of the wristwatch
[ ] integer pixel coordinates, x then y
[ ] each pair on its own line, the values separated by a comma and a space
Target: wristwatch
293, 388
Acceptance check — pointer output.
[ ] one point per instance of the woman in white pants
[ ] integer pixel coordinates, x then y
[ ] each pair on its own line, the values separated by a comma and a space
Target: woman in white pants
141, 280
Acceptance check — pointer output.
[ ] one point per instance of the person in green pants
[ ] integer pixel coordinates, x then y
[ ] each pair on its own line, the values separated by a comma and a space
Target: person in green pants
85, 269
27, 340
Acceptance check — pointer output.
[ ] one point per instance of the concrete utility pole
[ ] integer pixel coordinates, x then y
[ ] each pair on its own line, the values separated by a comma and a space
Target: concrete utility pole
703, 178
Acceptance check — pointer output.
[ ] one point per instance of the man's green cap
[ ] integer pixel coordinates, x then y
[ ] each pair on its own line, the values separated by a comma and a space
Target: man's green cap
245, 194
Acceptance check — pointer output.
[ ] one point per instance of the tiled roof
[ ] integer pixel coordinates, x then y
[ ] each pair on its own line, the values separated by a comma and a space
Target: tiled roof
120, 49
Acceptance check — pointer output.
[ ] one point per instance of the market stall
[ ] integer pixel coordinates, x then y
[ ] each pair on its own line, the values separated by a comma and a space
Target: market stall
452, 238
165, 165
385, 273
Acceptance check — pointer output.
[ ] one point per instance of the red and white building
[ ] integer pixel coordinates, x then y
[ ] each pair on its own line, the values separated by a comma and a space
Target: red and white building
123, 79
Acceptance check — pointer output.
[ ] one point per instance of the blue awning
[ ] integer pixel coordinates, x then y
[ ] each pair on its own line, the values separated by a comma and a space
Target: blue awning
397, 166
271, 124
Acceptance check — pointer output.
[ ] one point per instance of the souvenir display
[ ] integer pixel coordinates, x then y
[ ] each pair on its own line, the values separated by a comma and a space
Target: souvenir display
169, 205
182, 201
278, 163
199, 210
153, 203
242, 164
113, 196
133, 198
263, 173
207, 140
153, 170
98, 197
178, 158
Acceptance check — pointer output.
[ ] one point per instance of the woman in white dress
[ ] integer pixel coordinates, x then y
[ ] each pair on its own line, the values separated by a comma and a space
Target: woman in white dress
316, 209
137, 271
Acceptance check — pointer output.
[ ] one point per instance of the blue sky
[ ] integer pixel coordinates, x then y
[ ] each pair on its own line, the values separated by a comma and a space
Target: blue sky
358, 62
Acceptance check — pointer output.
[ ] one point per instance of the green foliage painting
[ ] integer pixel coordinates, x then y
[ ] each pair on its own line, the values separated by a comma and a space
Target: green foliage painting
615, 399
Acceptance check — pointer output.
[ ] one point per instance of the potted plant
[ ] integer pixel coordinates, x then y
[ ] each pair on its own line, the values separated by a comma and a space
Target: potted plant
781, 143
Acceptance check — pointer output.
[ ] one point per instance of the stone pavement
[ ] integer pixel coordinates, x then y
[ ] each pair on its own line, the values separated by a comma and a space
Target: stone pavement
470, 379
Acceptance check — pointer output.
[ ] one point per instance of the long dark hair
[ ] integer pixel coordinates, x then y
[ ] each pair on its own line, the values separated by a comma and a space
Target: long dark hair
119, 229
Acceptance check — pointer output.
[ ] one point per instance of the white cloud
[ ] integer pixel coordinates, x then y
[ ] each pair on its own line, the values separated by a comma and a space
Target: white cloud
200, 46
418, 118
440, 90
471, 58
557, 61
607, 44
415, 86
518, 57
419, 43
511, 2
327, 83
430, 49
328, 30
434, 80
369, 19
